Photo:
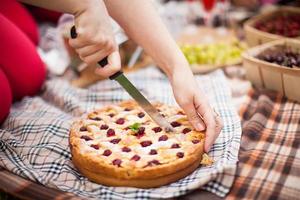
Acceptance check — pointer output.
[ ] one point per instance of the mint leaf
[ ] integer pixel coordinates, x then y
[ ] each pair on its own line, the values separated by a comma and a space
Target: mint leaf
135, 127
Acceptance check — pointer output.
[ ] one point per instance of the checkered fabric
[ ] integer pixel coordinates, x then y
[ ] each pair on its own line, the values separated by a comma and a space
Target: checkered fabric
269, 166
34, 138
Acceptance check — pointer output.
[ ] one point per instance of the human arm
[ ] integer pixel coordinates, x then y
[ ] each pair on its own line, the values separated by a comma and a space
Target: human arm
142, 23
95, 38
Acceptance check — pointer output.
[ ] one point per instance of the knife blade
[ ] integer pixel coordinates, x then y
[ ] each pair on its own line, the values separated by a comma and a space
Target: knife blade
134, 93
142, 101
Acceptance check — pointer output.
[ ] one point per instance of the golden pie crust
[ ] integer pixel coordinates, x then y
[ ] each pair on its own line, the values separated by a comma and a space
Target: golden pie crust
119, 145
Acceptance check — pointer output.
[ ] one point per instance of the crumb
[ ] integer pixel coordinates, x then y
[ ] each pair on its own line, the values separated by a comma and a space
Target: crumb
206, 160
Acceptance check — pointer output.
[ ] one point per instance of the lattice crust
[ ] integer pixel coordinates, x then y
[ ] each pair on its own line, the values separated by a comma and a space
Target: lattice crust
122, 141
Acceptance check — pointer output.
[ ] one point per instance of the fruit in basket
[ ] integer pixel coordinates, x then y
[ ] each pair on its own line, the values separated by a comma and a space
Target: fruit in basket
281, 55
216, 54
285, 24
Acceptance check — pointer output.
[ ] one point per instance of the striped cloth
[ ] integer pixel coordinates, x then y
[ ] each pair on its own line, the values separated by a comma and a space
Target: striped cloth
269, 158
34, 138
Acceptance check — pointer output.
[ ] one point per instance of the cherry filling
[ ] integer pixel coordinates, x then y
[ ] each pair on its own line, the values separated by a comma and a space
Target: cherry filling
110, 132
107, 152
175, 146
163, 138
180, 154
86, 138
195, 141
186, 130
153, 162
95, 146
117, 162
136, 157
126, 149
157, 129
153, 152
103, 127
175, 124
141, 132
83, 128
115, 141
141, 115
120, 121
146, 143
95, 118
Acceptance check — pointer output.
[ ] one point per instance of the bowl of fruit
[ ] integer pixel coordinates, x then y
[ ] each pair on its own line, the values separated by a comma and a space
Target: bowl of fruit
204, 58
283, 22
276, 66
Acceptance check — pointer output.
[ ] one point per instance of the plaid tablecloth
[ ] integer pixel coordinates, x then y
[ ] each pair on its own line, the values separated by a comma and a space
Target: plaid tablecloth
269, 158
34, 138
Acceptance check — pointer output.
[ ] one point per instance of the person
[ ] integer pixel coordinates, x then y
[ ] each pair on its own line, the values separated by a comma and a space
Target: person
143, 25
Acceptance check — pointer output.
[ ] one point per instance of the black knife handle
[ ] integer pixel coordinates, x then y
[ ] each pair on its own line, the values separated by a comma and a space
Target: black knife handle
102, 62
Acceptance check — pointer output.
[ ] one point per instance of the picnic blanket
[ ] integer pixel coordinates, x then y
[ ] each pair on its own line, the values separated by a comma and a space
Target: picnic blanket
34, 138
269, 158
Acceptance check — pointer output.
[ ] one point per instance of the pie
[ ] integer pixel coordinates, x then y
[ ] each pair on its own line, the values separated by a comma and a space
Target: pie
119, 145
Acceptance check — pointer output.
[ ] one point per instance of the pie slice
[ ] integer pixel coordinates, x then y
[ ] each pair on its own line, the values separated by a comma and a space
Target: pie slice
119, 145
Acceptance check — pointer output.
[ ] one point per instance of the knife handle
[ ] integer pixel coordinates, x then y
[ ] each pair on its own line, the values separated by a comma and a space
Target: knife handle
102, 62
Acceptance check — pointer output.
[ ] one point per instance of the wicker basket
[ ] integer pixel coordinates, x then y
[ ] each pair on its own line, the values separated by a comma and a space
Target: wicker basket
273, 76
256, 37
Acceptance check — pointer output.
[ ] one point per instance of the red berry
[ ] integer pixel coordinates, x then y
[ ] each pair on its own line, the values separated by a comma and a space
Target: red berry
110, 132
153, 152
83, 128
107, 152
115, 141
157, 129
186, 130
146, 143
141, 115
95, 118
175, 146
117, 162
95, 146
103, 127
126, 149
180, 155
86, 138
163, 138
175, 124
141, 132
136, 157
153, 162
195, 141
120, 121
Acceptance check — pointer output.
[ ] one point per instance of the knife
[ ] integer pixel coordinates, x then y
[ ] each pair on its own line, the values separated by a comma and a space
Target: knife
134, 93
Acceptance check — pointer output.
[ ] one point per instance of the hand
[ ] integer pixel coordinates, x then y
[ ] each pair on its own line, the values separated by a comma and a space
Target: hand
95, 38
193, 101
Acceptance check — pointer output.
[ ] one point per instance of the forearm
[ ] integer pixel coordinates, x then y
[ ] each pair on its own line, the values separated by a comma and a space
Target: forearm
143, 24
74, 7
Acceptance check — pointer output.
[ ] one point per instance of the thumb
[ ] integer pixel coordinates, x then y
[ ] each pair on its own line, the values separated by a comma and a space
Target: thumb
114, 65
193, 116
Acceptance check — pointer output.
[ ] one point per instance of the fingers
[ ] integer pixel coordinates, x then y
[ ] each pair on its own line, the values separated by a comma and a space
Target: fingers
96, 57
114, 65
88, 50
192, 115
213, 122
93, 49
